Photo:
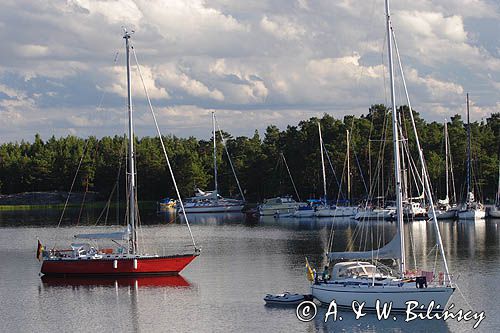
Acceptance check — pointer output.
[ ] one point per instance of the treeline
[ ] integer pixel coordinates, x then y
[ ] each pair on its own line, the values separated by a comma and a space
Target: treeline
52, 164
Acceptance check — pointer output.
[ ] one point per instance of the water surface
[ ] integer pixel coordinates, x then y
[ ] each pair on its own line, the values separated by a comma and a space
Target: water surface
222, 290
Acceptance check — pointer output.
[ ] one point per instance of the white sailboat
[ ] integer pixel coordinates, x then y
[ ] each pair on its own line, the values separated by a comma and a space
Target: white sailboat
363, 281
282, 206
446, 209
336, 210
212, 201
471, 209
495, 210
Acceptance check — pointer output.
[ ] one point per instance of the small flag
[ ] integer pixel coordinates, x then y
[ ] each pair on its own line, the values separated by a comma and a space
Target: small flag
309, 271
39, 250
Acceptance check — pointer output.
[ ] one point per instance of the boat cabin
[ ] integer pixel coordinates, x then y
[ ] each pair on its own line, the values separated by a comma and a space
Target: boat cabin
353, 269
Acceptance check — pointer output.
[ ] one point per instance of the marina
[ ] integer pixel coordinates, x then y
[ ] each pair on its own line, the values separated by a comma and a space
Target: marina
252, 168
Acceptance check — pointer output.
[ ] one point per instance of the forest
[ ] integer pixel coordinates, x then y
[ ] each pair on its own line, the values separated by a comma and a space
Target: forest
51, 164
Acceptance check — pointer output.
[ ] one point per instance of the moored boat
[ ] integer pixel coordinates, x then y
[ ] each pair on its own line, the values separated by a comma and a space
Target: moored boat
495, 210
211, 202
446, 210
369, 283
124, 259
284, 299
470, 209
278, 206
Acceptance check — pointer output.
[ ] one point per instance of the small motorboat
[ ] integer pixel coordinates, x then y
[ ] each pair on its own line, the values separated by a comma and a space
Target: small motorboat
285, 299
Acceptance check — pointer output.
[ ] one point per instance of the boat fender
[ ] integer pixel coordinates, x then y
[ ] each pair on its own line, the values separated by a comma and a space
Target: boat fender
115, 264
135, 263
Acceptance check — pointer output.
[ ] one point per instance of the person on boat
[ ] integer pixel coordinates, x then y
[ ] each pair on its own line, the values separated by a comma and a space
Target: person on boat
325, 275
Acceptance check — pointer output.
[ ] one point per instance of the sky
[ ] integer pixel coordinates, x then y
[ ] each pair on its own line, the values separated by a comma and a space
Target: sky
255, 63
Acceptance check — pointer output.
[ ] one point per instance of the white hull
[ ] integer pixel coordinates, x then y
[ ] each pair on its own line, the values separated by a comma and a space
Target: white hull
279, 206
277, 211
443, 214
472, 214
337, 212
304, 213
375, 214
213, 209
345, 295
494, 212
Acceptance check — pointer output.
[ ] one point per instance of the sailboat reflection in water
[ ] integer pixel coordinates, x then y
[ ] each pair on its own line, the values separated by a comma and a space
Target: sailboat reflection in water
175, 281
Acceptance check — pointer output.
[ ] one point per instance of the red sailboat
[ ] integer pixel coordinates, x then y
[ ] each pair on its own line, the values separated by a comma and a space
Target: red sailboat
123, 260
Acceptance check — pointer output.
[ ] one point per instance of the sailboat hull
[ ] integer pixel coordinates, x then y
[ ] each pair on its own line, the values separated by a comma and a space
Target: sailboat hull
443, 214
338, 211
213, 209
344, 296
471, 214
375, 214
494, 212
121, 266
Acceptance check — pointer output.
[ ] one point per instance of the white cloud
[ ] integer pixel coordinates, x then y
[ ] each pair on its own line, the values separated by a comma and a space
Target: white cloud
124, 11
118, 83
282, 27
256, 62
175, 78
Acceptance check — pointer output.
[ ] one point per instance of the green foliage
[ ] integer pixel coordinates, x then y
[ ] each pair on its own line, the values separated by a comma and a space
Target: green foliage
51, 165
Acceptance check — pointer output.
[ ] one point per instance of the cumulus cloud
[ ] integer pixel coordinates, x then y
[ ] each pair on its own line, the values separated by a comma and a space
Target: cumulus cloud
282, 27
256, 63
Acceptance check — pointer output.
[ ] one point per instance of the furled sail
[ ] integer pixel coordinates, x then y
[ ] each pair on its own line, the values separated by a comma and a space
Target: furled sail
390, 250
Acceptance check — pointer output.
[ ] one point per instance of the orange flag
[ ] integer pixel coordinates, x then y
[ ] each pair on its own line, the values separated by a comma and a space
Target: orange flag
39, 250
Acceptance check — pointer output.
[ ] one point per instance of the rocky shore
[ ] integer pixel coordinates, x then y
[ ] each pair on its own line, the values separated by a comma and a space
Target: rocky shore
45, 198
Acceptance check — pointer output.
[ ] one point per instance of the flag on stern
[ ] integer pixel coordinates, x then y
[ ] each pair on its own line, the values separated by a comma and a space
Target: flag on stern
309, 271
39, 250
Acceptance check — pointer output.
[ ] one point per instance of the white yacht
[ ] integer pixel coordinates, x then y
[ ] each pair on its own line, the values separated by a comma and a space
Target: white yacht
368, 283
279, 206
470, 209
446, 210
495, 210
211, 201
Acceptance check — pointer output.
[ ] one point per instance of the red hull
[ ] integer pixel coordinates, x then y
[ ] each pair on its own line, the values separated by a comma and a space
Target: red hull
170, 265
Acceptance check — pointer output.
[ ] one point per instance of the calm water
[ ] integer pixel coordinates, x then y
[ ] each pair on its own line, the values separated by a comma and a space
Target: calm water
222, 290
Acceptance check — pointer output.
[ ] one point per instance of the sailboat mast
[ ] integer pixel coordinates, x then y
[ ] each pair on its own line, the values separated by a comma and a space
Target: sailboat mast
446, 157
468, 148
322, 161
348, 171
131, 155
497, 201
395, 134
215, 156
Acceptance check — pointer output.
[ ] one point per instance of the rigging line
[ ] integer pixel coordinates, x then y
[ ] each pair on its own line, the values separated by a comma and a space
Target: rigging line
291, 178
83, 201
361, 172
425, 174
452, 176
106, 208
229, 158
333, 170
115, 187
164, 150
101, 100
71, 188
